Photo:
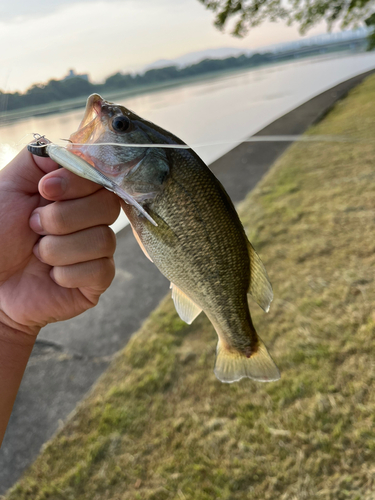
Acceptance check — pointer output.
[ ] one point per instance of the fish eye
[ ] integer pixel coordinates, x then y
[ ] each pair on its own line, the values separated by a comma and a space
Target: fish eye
120, 123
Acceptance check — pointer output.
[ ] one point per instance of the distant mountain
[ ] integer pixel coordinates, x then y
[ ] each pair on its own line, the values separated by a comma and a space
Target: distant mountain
195, 57
322, 39
224, 52
195, 64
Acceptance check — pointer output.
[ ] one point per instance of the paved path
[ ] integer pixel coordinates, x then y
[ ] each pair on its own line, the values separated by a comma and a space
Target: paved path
69, 357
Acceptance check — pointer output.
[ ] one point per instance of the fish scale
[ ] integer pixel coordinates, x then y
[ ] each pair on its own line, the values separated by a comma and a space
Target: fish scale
199, 243
211, 239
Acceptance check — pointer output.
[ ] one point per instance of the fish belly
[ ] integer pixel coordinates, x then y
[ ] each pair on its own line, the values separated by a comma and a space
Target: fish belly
201, 247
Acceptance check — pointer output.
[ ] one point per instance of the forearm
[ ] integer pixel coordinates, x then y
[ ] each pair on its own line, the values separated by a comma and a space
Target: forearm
15, 350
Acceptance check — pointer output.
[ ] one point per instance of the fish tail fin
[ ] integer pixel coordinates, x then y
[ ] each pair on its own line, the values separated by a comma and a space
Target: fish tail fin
232, 365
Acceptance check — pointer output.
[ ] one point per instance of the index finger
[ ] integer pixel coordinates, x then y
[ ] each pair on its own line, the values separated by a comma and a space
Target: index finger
64, 185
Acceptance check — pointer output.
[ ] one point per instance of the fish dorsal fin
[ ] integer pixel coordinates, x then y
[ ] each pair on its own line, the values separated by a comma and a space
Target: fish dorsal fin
231, 365
140, 243
186, 308
260, 287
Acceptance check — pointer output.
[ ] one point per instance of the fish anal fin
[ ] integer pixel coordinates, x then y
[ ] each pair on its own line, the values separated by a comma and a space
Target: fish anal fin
260, 287
139, 241
231, 365
187, 309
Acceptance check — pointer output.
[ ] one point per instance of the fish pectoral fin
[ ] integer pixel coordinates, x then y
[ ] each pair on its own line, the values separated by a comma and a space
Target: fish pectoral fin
136, 236
231, 365
260, 287
185, 307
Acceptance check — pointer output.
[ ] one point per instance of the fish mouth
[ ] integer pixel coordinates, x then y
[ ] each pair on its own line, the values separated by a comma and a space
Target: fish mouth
124, 169
90, 124
97, 107
82, 142
93, 107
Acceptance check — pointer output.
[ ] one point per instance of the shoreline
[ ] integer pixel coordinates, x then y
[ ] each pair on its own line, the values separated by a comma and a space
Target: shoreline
64, 368
57, 107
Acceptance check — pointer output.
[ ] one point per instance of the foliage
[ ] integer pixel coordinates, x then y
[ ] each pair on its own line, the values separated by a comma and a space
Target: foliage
54, 90
306, 13
159, 426
119, 80
59, 90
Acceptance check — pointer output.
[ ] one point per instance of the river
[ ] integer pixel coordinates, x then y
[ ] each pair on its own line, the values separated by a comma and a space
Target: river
213, 115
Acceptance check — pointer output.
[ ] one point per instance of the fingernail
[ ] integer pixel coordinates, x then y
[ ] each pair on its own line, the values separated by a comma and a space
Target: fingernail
36, 251
52, 275
35, 223
55, 186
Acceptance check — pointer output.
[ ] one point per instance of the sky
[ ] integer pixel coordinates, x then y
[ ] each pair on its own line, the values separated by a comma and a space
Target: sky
43, 39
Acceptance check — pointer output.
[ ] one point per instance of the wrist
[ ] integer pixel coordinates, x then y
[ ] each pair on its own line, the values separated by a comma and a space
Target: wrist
15, 350
15, 336
7, 322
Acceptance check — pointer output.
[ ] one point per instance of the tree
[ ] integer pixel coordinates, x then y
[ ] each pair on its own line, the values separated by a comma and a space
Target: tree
247, 14
119, 81
158, 75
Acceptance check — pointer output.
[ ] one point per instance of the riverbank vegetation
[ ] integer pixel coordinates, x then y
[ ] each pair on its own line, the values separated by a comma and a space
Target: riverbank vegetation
55, 91
159, 426
59, 90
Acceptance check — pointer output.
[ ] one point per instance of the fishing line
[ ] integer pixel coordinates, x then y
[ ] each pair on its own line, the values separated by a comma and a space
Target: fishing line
29, 134
254, 139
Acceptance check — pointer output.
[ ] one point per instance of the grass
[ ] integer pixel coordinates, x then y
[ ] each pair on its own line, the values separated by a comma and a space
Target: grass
159, 426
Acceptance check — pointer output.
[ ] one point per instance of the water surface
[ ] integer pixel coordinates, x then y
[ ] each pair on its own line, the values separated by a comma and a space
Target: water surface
219, 112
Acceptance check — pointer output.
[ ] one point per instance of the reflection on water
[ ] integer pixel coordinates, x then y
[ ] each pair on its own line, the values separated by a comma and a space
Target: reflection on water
217, 112
7, 153
225, 109
236, 106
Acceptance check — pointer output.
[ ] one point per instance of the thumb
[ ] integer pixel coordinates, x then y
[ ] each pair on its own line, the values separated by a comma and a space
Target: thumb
24, 172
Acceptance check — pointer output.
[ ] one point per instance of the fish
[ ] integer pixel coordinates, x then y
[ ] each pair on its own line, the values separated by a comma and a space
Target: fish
197, 242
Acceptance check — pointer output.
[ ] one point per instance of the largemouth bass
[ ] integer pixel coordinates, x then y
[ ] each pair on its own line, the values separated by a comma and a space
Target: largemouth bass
199, 243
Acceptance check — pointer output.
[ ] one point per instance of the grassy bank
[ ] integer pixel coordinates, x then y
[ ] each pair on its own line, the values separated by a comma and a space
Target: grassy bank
159, 426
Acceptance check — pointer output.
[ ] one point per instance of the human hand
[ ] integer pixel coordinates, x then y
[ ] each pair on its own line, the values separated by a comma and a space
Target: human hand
61, 274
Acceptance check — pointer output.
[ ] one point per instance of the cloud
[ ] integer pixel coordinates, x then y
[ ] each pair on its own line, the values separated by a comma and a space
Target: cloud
99, 38
21, 10
45, 38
